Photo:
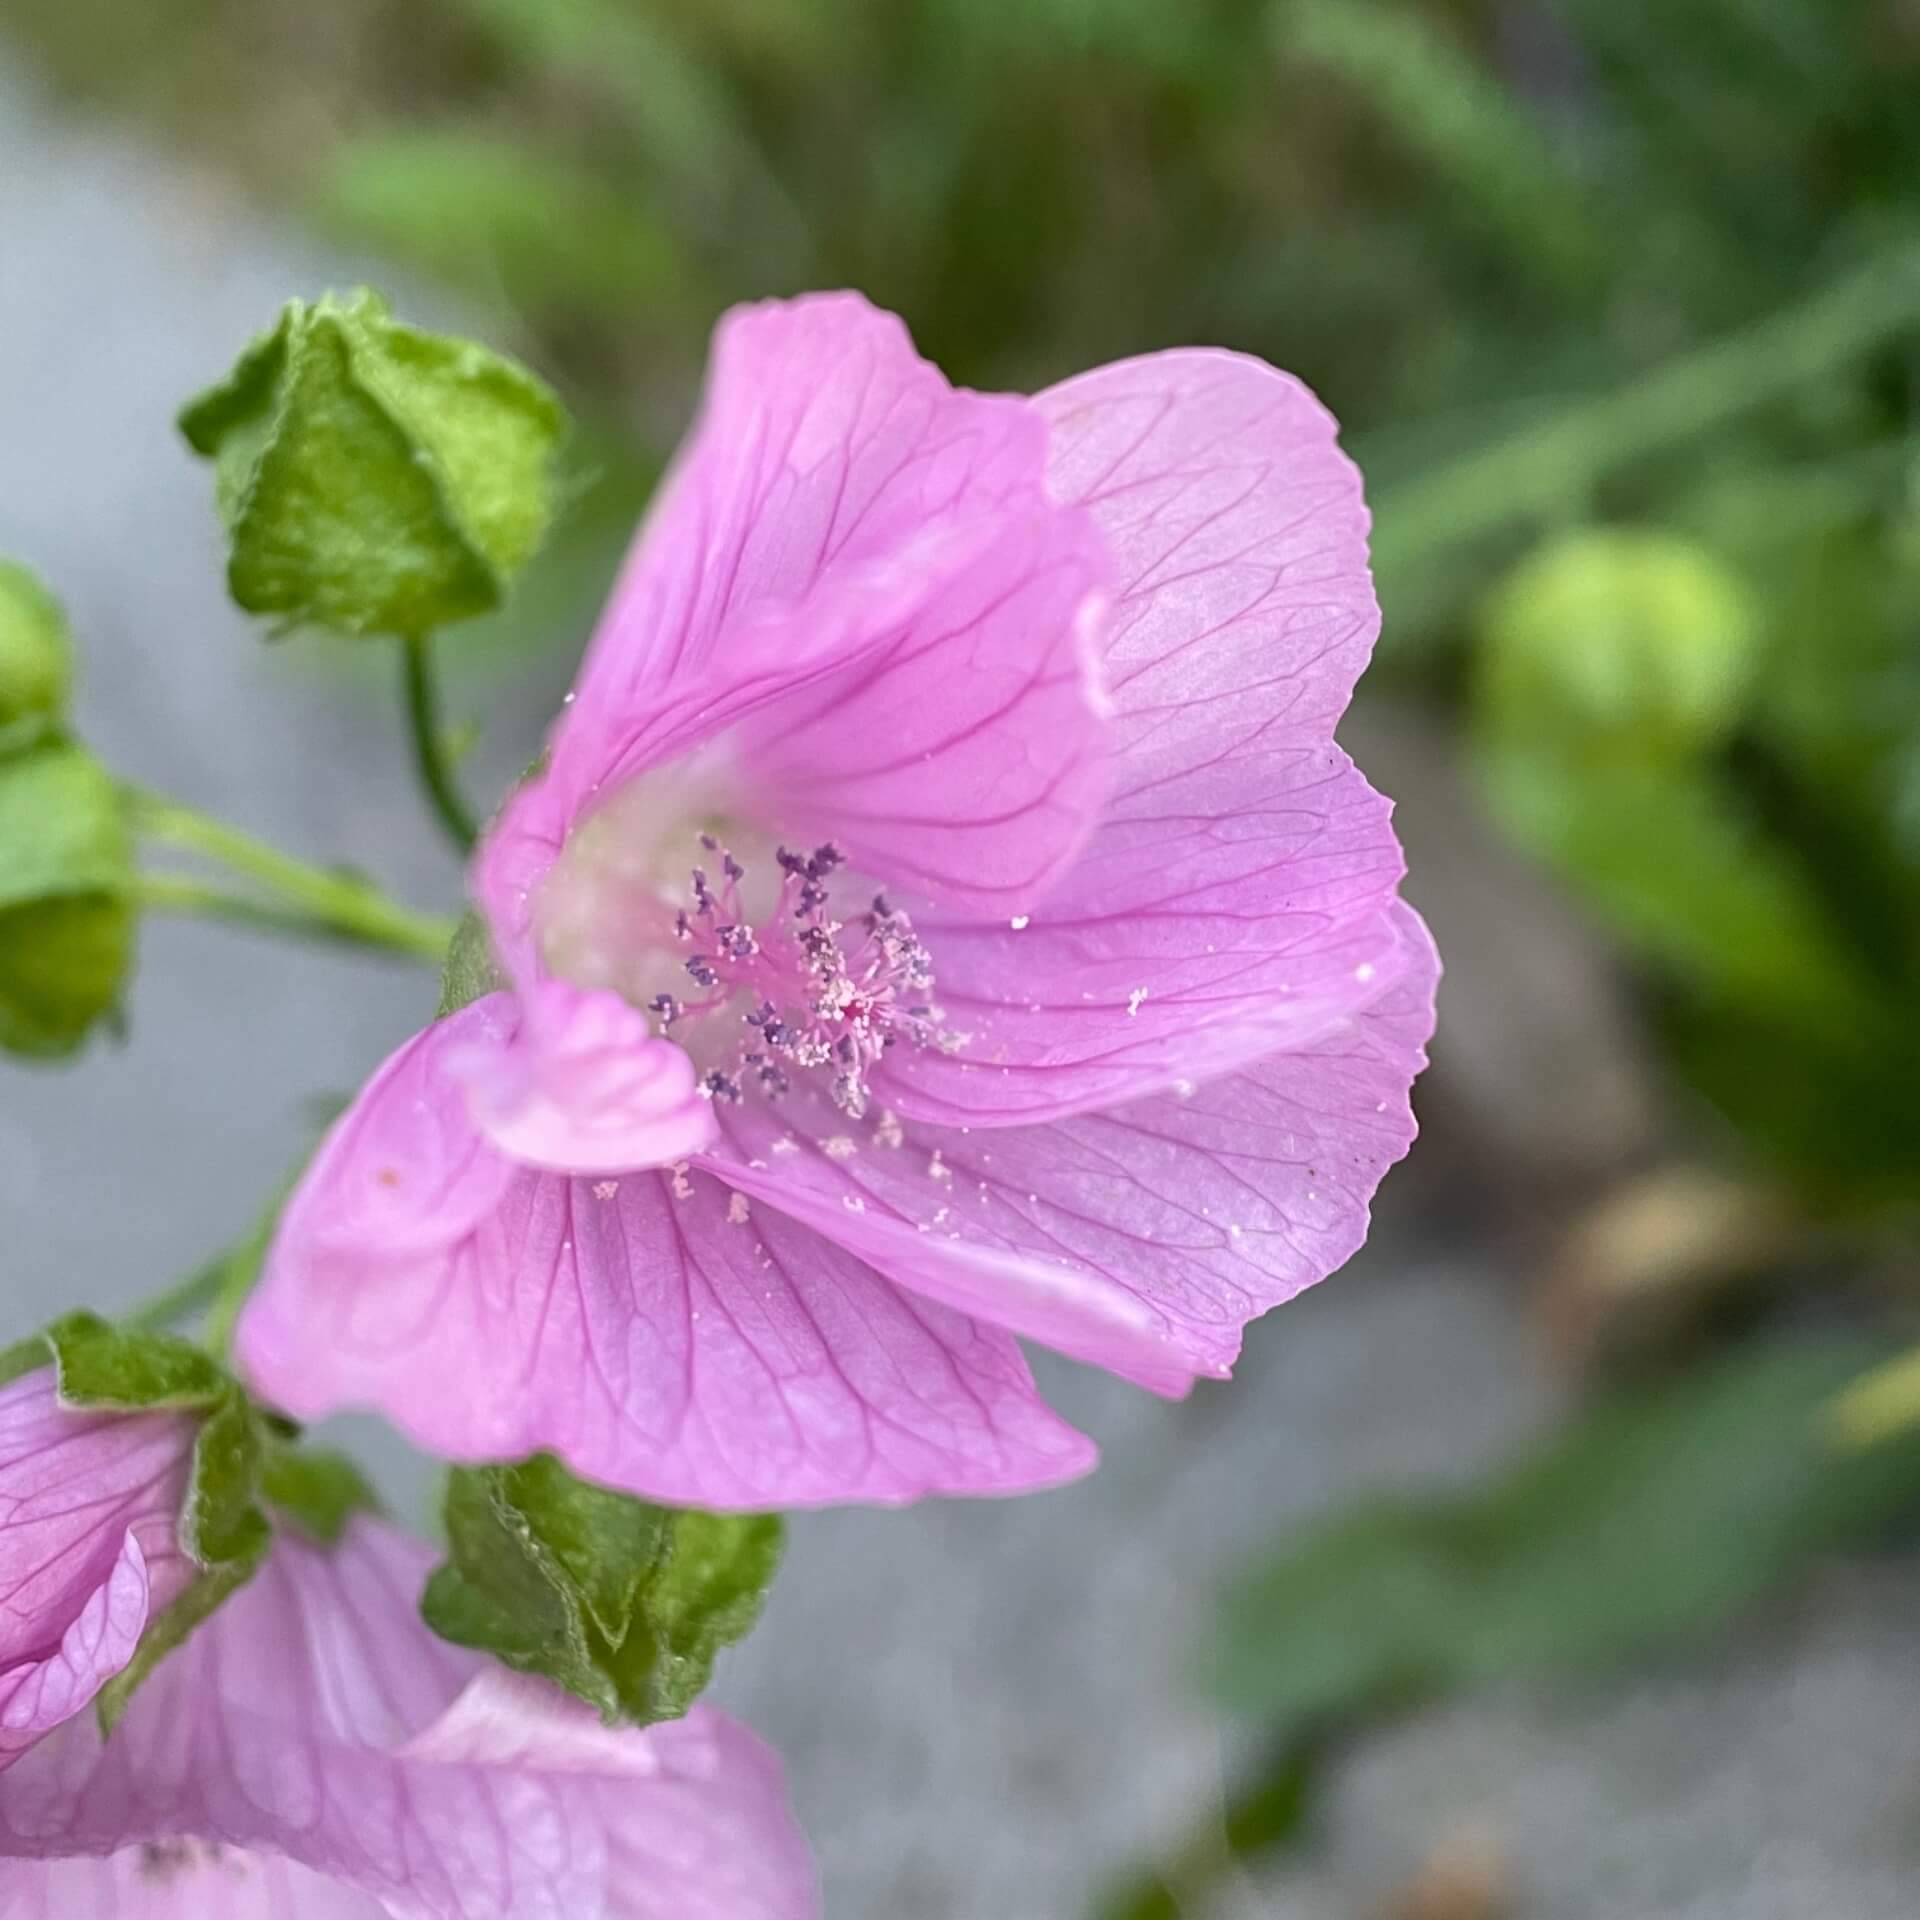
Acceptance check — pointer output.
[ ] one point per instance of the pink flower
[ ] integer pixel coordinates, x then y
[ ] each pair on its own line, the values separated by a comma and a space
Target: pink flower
314, 1752
89, 1507
943, 916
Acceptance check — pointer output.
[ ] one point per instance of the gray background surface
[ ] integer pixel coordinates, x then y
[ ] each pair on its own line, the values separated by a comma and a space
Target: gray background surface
983, 1706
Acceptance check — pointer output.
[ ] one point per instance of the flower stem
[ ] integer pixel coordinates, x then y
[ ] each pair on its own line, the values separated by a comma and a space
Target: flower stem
299, 898
1552, 466
429, 746
199, 1289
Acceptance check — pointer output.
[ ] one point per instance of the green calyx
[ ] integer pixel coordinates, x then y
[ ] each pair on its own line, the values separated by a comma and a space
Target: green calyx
376, 478
66, 897
36, 661
621, 1602
470, 970
1618, 638
244, 1467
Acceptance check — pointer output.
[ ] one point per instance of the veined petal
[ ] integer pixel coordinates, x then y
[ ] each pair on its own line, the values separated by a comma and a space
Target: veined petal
1142, 1239
38, 1695
314, 1743
965, 758
178, 1880
89, 1506
1176, 949
650, 1329
1236, 898
834, 488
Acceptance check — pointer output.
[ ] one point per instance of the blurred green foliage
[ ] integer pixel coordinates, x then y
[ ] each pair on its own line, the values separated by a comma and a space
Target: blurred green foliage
1561, 266
67, 880
1652, 1519
1645, 1524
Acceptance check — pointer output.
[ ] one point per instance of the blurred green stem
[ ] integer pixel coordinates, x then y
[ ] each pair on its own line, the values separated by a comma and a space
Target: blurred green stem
219, 1287
1266, 1816
1553, 467
199, 1289
300, 899
429, 744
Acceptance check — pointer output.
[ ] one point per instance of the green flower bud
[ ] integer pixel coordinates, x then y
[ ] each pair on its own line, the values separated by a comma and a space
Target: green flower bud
375, 478
1633, 639
36, 660
66, 898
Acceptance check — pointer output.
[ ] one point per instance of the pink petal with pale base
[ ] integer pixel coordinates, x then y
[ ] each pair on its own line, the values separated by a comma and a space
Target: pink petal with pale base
1060, 679
651, 1329
89, 1507
314, 1745
836, 496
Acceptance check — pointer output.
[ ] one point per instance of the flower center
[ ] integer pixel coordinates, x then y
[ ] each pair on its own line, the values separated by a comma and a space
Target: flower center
742, 958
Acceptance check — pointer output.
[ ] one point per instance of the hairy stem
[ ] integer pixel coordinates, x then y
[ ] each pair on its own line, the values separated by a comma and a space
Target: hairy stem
199, 1289
291, 896
429, 746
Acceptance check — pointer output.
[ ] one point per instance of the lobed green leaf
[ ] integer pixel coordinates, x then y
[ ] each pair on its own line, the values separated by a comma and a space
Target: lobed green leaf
623, 1603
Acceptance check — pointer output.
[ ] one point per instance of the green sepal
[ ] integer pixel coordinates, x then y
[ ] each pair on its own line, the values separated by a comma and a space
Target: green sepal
24, 1357
221, 1529
621, 1602
318, 1492
470, 971
375, 478
170, 1629
66, 908
36, 661
131, 1369
222, 1524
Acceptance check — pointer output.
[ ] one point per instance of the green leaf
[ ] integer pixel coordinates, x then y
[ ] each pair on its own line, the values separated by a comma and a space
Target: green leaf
621, 1602
132, 1369
221, 1526
66, 914
24, 1357
1647, 1523
375, 478
36, 660
470, 969
1665, 853
320, 1492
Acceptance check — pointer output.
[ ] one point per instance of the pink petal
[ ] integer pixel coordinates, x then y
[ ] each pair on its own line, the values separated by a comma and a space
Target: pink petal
639, 1327
178, 1881
1141, 1239
314, 1741
1236, 897
581, 1085
834, 487
89, 1505
964, 759
38, 1695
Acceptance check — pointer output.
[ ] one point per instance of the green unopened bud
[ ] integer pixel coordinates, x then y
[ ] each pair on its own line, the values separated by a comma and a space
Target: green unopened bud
66, 906
36, 660
1640, 639
375, 478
